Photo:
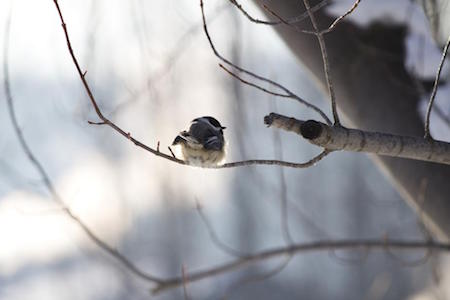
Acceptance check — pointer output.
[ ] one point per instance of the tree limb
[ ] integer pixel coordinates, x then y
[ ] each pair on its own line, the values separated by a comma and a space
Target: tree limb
302, 248
375, 93
341, 138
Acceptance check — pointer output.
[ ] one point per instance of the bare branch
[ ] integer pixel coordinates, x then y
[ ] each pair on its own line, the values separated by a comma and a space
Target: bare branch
226, 61
293, 20
172, 157
340, 138
46, 178
434, 91
171, 152
326, 64
340, 18
302, 248
287, 95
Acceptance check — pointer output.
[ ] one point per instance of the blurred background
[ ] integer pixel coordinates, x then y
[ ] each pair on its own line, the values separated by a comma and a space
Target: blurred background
152, 71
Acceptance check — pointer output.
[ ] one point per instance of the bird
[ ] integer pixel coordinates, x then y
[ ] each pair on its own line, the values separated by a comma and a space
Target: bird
203, 144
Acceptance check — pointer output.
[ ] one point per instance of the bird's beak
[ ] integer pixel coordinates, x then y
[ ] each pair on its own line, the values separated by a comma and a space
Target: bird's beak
223, 127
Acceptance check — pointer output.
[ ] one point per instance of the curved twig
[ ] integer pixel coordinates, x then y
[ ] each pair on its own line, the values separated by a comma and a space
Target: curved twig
287, 95
302, 248
342, 17
264, 79
434, 91
172, 158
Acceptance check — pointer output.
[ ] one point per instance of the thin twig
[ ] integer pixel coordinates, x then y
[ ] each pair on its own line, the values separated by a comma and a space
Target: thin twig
340, 18
302, 248
420, 86
171, 158
253, 84
285, 22
292, 20
434, 91
226, 61
287, 95
96, 123
349, 261
47, 181
276, 15
326, 64
171, 152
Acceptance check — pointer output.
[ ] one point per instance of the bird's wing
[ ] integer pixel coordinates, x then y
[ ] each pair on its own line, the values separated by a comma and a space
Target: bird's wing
213, 143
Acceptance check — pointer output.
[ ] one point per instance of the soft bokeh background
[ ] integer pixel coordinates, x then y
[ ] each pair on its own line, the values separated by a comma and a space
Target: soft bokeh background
152, 71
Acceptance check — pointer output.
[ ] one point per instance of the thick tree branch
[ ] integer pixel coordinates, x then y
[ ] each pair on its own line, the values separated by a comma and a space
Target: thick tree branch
375, 93
340, 138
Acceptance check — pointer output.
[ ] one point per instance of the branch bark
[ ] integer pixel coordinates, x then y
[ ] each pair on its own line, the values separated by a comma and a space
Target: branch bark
341, 138
375, 93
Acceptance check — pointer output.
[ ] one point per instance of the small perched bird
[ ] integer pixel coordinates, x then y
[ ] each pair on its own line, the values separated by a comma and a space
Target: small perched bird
203, 144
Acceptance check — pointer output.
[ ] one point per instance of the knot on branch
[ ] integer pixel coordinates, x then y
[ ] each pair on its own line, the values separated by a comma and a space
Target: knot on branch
311, 129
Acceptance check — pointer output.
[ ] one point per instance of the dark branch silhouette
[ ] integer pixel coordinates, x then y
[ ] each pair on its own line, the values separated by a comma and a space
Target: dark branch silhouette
369, 244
